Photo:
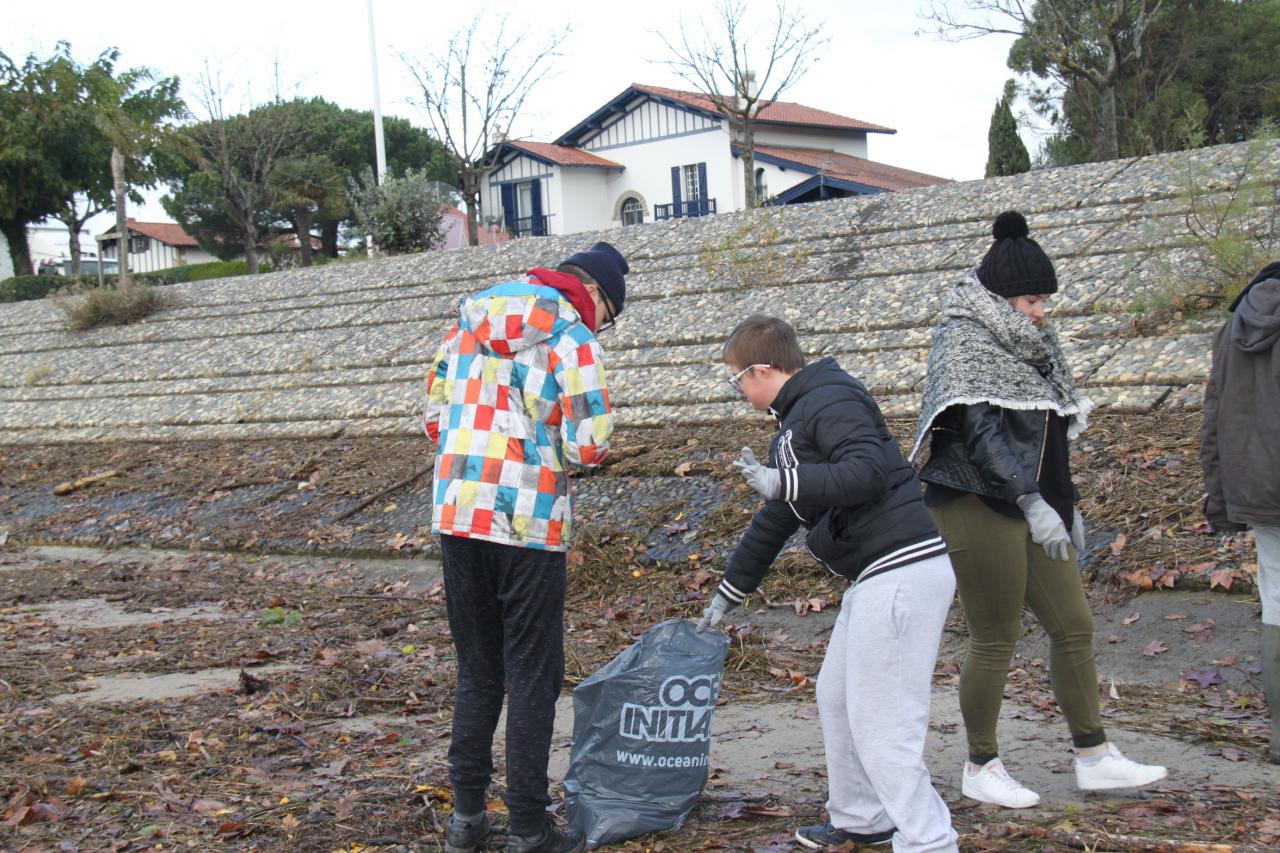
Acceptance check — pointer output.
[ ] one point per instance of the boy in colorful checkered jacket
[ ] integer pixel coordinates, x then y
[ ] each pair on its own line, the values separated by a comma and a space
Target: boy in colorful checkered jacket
515, 392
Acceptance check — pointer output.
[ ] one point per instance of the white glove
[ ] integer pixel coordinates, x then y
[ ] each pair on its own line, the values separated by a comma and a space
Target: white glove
1047, 529
766, 481
1077, 532
714, 613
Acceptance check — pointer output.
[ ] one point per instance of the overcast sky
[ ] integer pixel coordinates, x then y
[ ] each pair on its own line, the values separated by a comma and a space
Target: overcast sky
881, 65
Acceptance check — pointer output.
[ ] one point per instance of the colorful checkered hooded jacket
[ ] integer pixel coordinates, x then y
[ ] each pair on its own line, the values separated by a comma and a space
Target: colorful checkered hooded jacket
516, 388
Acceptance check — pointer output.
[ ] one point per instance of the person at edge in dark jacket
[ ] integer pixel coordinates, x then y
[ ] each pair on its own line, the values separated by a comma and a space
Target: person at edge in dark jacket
1240, 455
835, 468
999, 409
515, 394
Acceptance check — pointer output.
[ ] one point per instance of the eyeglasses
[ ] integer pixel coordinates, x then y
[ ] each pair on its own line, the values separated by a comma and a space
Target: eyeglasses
609, 315
735, 381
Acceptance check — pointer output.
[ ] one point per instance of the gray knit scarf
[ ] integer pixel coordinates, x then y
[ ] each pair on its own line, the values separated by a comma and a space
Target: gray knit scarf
985, 351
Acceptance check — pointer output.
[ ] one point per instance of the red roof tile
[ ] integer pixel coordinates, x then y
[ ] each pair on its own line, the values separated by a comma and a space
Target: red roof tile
563, 155
166, 232
850, 168
779, 112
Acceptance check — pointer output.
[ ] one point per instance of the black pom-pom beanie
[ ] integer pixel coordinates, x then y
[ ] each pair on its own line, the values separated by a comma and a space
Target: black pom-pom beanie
1015, 265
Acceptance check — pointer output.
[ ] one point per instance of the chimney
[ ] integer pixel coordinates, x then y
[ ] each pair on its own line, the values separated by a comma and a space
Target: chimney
498, 137
748, 87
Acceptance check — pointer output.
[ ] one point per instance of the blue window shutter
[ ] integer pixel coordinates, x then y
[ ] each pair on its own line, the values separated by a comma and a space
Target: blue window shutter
509, 207
535, 194
675, 192
702, 189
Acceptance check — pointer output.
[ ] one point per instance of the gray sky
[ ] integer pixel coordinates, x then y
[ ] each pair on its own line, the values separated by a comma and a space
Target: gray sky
938, 95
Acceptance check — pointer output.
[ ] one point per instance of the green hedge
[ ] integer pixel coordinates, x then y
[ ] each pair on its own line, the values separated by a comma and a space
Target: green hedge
23, 287
200, 272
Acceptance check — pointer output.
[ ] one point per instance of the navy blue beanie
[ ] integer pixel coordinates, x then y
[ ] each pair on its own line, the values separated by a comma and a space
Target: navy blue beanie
607, 266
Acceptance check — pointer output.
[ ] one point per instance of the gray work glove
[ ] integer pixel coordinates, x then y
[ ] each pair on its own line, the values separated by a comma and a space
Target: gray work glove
714, 613
1077, 532
1047, 529
766, 481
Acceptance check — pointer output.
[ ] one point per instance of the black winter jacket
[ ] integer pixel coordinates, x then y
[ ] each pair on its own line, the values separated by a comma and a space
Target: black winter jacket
843, 477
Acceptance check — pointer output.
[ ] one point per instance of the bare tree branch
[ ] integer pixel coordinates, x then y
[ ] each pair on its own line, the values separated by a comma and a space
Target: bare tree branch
715, 58
242, 153
476, 88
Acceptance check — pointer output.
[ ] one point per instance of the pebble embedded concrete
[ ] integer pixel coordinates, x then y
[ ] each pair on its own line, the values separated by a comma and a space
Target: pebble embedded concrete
343, 348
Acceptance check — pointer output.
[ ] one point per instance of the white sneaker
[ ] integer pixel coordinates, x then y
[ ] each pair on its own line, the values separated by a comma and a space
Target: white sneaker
991, 783
1113, 770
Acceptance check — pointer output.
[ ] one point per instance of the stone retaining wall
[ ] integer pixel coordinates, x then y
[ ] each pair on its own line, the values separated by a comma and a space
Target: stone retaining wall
342, 349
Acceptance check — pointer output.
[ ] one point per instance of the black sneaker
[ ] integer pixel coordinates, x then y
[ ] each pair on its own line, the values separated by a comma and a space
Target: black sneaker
463, 836
822, 835
552, 840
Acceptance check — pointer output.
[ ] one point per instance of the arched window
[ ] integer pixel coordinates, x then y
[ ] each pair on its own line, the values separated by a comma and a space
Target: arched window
632, 211
762, 187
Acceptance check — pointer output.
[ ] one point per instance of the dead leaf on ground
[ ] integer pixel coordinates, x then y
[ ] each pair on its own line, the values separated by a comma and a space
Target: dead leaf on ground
1154, 648
230, 827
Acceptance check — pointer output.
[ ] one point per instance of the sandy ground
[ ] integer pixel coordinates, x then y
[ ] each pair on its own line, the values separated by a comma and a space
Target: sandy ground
115, 736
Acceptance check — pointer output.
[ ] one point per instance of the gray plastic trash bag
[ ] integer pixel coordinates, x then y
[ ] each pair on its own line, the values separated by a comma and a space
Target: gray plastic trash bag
641, 734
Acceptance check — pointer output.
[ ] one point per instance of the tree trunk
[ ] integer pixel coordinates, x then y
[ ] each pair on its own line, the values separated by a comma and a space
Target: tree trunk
74, 246
471, 194
1109, 143
125, 280
68, 217
15, 234
749, 165
251, 256
302, 228
329, 238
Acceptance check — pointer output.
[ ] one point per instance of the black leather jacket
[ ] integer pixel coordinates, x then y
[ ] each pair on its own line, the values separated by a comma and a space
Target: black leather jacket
987, 450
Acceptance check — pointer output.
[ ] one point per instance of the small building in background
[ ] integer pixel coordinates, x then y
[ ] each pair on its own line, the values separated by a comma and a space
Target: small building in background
155, 246
48, 244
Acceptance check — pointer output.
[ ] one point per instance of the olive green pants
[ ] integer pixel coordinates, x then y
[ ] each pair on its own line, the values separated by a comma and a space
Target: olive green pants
999, 570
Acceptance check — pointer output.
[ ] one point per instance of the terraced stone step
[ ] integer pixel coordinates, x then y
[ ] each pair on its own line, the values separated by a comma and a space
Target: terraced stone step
343, 347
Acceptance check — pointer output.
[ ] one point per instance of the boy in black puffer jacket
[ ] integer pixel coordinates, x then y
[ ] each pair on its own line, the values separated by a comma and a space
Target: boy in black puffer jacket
835, 468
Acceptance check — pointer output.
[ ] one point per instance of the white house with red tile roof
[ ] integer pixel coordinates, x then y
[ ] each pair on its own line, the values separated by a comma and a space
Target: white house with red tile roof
655, 153
156, 246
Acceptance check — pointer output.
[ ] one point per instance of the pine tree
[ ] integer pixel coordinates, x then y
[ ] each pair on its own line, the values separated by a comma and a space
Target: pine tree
1006, 155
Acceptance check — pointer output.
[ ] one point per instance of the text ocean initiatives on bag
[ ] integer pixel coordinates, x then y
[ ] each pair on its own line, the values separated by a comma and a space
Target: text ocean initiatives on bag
642, 734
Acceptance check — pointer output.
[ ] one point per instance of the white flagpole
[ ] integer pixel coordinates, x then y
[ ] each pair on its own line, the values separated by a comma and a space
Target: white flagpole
377, 102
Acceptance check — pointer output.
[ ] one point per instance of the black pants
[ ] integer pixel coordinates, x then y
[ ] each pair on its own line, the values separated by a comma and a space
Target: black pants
506, 614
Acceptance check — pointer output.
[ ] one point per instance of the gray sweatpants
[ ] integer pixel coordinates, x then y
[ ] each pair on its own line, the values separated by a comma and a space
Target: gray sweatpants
1268, 541
873, 701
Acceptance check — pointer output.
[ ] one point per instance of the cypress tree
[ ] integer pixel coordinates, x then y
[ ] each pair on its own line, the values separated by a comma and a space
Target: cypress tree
1006, 155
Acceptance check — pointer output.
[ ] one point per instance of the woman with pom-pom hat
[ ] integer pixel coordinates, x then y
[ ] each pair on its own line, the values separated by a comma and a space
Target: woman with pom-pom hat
999, 409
